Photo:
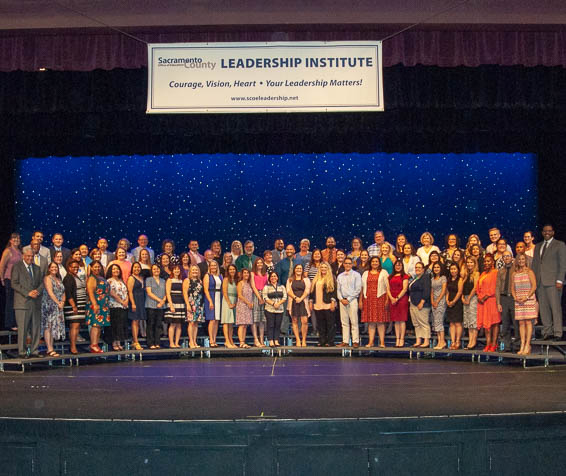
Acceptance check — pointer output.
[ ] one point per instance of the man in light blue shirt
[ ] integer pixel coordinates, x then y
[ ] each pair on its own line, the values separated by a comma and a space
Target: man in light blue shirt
142, 242
349, 286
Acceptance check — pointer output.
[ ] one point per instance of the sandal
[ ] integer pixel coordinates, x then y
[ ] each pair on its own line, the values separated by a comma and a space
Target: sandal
53, 354
95, 349
137, 346
116, 348
244, 346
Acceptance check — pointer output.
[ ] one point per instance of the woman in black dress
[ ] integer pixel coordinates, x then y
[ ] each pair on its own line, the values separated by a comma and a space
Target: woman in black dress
454, 307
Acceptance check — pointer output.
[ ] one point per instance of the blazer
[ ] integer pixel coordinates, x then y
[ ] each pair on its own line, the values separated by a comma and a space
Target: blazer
500, 284
552, 267
22, 284
192, 260
43, 251
66, 253
43, 264
419, 289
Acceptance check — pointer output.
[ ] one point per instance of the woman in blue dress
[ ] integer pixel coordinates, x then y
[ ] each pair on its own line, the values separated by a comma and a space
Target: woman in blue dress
212, 284
136, 292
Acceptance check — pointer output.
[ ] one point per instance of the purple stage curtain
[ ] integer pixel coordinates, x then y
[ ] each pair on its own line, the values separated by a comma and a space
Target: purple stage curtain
89, 49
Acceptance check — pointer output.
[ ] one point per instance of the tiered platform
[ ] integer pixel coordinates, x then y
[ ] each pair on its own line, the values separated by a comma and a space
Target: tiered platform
544, 353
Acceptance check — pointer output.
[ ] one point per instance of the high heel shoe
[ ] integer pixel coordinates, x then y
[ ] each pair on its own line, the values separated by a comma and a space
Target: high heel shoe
457, 345
487, 348
95, 349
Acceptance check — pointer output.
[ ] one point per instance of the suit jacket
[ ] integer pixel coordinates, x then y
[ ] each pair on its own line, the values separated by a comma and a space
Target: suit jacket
192, 259
500, 285
66, 253
278, 256
43, 251
22, 284
43, 263
109, 258
203, 268
552, 267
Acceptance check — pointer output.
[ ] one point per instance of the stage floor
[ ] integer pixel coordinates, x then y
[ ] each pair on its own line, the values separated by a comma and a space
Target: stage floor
293, 387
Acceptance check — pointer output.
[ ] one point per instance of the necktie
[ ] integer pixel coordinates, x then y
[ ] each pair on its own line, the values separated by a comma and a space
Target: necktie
36, 260
506, 285
30, 272
543, 249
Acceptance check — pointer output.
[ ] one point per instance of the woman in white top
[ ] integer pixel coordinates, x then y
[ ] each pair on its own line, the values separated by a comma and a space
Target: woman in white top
427, 241
409, 261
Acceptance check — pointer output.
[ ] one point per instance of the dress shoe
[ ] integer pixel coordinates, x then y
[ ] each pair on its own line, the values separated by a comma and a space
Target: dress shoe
342, 344
356, 345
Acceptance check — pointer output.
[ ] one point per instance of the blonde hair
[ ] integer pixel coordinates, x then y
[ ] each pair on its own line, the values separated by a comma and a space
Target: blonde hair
391, 256
191, 269
426, 233
327, 280
516, 262
475, 273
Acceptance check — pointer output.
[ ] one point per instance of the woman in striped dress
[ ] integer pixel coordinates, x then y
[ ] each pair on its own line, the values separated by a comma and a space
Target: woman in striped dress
526, 306
175, 313
75, 302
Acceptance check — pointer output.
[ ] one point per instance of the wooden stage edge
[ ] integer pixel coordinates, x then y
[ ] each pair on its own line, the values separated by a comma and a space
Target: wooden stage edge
543, 358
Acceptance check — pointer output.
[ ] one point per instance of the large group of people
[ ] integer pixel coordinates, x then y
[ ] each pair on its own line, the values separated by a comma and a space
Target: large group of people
385, 286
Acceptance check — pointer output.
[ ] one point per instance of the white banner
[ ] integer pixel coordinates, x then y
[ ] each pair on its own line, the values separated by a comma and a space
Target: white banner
264, 77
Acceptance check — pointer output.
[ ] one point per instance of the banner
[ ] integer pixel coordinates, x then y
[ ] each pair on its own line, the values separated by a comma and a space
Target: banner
264, 77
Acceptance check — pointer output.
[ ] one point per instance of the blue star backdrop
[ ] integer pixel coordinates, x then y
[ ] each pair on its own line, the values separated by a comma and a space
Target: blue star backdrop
260, 197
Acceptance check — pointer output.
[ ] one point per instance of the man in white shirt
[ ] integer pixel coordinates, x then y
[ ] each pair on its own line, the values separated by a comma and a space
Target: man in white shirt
349, 286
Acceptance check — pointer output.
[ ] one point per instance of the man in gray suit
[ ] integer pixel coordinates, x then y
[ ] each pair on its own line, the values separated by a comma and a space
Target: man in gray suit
549, 266
27, 283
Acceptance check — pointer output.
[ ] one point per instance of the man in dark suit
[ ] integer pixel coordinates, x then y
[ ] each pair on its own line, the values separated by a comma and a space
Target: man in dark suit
57, 240
27, 283
37, 258
549, 266
204, 265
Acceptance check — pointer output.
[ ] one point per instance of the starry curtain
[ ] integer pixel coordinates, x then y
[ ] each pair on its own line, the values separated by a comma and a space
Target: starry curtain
451, 46
428, 110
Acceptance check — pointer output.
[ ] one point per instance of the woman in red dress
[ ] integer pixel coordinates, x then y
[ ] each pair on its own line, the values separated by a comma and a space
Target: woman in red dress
488, 315
397, 287
374, 302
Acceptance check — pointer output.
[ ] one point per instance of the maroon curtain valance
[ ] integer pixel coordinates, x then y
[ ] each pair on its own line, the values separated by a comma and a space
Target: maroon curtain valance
89, 49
